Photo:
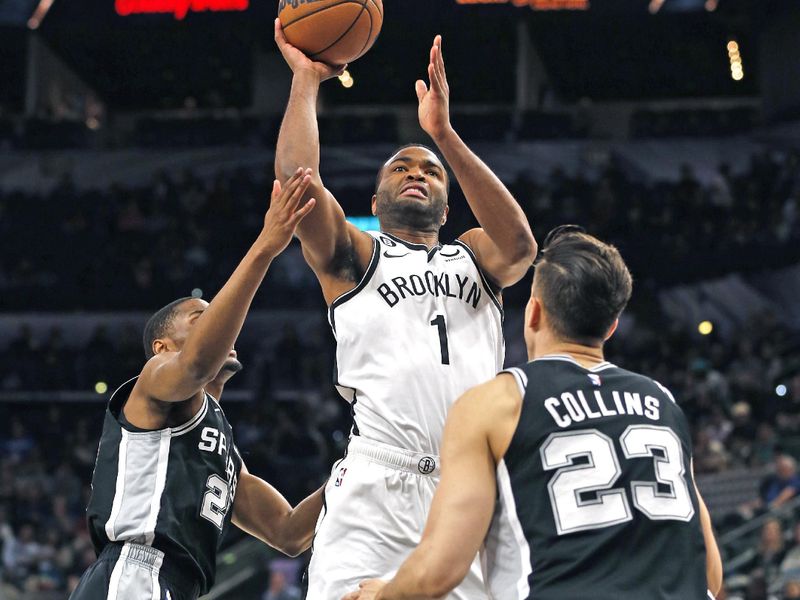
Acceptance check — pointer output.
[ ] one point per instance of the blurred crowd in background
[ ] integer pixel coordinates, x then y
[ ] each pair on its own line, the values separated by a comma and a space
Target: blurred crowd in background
138, 248
132, 246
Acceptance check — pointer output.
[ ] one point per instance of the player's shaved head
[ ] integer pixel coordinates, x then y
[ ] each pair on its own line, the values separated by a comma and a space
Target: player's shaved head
397, 151
159, 324
583, 285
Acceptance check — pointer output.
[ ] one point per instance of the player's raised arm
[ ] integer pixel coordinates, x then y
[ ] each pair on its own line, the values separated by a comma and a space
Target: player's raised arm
504, 245
173, 376
261, 510
326, 232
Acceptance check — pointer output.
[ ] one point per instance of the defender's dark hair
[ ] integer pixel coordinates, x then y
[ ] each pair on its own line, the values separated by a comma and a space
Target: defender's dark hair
403, 147
158, 325
583, 283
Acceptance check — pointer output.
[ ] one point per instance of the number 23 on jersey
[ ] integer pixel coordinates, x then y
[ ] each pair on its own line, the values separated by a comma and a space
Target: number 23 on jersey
582, 494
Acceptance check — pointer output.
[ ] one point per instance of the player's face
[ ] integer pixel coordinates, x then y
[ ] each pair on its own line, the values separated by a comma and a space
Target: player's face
412, 192
188, 314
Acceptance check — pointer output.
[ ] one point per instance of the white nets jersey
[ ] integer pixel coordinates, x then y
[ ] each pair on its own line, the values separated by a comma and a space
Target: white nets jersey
420, 329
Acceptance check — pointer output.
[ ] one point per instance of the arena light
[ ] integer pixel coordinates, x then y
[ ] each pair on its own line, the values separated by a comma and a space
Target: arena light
346, 79
197, 293
536, 4
711, 5
781, 390
39, 14
705, 327
735, 58
101, 387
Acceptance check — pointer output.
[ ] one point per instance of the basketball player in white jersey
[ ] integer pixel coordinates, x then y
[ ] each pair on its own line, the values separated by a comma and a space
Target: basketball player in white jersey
416, 322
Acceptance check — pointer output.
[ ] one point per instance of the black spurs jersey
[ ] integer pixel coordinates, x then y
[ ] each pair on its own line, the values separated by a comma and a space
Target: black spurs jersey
171, 489
595, 494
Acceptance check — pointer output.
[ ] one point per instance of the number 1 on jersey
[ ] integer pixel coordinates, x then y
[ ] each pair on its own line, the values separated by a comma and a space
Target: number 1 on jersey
441, 325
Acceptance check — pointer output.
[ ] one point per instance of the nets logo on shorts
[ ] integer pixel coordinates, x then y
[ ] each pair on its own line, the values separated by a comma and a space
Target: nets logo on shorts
426, 465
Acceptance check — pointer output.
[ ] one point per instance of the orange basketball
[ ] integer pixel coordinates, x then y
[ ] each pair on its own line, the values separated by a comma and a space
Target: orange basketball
331, 31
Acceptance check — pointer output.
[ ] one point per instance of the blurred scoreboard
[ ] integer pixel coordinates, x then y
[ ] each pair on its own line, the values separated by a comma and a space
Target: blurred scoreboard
178, 8
536, 4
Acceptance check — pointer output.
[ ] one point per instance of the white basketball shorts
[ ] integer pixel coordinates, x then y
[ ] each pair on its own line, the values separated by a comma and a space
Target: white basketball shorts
376, 504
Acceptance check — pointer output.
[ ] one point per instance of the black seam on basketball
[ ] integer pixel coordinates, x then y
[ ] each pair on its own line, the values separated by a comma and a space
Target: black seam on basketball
346, 31
308, 14
369, 35
379, 7
369, 45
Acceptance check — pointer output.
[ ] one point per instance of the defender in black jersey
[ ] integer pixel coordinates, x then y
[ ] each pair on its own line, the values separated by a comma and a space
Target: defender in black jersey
572, 475
168, 478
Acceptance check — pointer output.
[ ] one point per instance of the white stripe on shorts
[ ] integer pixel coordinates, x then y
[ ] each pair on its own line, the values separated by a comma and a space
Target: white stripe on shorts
135, 574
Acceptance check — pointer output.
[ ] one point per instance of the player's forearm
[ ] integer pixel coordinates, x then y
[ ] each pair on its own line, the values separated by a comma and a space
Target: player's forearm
298, 530
782, 498
298, 138
496, 210
263, 512
713, 557
211, 339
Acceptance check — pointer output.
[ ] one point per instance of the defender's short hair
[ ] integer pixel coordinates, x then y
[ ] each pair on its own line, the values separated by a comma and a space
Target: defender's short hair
583, 283
403, 147
158, 325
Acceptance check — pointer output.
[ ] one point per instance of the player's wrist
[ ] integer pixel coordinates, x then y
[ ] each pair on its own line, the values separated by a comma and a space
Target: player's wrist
444, 134
307, 74
265, 249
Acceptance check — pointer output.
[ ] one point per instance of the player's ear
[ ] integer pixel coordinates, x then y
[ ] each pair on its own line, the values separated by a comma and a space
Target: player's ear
374, 205
534, 312
611, 330
159, 346
446, 212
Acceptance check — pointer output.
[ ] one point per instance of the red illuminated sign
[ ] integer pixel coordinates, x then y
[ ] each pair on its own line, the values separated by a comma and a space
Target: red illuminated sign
178, 8
537, 4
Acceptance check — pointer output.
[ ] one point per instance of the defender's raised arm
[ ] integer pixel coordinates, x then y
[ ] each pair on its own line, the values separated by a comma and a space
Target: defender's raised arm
174, 375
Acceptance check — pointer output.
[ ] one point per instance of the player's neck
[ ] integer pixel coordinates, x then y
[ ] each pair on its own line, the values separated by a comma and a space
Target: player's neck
428, 238
586, 356
214, 389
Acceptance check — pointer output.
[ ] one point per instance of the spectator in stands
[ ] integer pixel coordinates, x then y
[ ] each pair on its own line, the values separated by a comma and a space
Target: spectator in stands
777, 488
20, 444
783, 485
763, 449
279, 588
790, 567
766, 561
791, 591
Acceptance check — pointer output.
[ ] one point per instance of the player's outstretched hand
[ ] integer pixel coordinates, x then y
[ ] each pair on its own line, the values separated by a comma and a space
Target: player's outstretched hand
434, 102
367, 590
298, 61
283, 215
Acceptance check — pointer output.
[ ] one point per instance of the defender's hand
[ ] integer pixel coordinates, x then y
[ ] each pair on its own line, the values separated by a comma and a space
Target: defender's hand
283, 215
434, 103
367, 590
298, 61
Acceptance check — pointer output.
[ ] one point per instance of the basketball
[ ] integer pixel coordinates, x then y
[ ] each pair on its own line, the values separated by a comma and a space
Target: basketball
332, 31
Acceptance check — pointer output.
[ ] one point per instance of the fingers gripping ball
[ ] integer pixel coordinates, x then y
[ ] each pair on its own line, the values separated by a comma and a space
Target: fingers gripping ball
331, 31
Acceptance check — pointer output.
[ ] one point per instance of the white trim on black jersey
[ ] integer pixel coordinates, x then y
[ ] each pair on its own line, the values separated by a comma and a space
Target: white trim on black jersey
567, 358
520, 377
175, 431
